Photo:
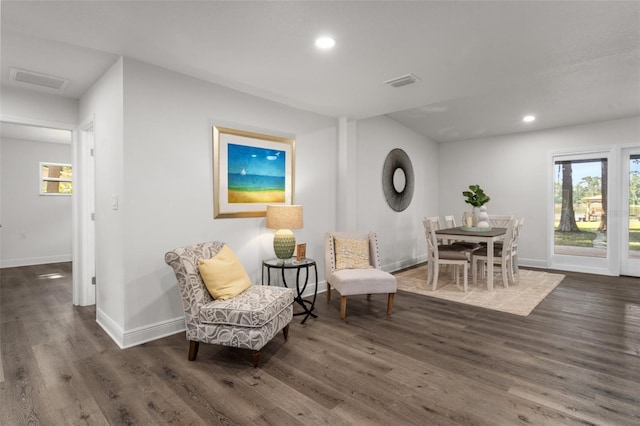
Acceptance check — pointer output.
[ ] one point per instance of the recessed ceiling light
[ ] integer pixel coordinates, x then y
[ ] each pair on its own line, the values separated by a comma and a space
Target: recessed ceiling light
325, 42
529, 118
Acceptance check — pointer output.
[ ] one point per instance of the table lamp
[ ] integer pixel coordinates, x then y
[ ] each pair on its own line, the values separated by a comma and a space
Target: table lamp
284, 218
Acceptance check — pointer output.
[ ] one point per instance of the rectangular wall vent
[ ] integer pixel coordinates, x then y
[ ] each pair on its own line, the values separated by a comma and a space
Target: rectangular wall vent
38, 79
402, 80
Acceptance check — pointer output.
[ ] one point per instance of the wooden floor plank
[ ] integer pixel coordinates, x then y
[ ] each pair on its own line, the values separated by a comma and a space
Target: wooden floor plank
574, 360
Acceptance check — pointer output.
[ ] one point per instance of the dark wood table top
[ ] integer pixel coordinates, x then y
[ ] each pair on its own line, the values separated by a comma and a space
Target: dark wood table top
493, 232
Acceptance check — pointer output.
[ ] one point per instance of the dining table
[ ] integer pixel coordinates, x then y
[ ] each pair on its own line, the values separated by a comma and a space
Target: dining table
476, 235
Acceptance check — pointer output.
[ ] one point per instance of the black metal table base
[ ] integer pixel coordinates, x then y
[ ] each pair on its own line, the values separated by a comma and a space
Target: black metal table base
307, 305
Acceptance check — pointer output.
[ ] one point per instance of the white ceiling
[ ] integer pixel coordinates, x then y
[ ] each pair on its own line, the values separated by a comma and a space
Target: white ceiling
482, 65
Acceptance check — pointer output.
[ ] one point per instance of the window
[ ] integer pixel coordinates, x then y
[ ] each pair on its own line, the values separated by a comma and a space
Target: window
55, 179
634, 206
581, 207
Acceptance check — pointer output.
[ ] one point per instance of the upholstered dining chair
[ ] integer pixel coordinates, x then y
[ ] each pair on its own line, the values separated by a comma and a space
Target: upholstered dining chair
499, 220
502, 255
514, 245
441, 254
450, 222
248, 320
434, 222
352, 266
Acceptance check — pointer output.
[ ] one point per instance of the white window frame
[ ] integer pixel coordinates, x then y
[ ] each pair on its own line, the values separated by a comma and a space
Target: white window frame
591, 265
43, 179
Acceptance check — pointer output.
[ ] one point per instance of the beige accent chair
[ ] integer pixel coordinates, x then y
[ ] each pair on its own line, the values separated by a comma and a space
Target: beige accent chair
351, 282
249, 320
444, 254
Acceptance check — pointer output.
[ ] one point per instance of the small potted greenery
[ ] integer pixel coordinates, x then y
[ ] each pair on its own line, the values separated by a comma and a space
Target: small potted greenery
477, 198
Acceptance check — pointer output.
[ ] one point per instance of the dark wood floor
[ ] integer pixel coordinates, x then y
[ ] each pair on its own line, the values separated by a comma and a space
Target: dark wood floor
574, 360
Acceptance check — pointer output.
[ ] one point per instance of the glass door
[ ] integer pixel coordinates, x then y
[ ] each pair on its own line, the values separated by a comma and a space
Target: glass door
579, 224
630, 262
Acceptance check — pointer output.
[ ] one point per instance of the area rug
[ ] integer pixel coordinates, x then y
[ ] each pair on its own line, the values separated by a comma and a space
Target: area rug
521, 298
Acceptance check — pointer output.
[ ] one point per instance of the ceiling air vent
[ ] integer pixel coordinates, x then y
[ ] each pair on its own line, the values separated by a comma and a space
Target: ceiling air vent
38, 79
402, 80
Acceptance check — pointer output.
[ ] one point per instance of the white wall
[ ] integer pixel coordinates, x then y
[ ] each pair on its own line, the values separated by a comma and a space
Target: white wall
161, 170
31, 105
400, 233
104, 102
513, 170
35, 228
154, 152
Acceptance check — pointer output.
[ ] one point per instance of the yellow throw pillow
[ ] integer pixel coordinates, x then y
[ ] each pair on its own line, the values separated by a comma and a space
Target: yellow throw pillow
224, 275
352, 254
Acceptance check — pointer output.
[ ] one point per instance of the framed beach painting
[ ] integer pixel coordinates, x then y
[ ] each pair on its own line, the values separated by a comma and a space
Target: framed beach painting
250, 171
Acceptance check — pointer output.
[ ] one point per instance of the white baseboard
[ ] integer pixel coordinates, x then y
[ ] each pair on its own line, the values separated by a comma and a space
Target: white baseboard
147, 333
533, 263
322, 287
139, 335
406, 263
15, 263
110, 327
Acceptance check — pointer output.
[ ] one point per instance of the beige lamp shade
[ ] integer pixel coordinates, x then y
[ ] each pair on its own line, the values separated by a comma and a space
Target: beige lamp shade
284, 218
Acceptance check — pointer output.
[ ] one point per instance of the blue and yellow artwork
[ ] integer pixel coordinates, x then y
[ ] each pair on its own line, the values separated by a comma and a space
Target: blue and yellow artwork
255, 175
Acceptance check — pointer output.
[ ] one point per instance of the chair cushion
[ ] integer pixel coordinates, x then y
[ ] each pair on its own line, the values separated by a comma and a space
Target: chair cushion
223, 274
254, 307
452, 255
467, 245
352, 254
497, 251
363, 281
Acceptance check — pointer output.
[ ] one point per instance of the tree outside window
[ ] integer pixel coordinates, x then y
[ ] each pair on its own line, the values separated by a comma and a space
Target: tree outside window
55, 179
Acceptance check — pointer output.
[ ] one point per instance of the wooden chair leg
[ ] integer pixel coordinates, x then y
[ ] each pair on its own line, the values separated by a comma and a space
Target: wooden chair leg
255, 358
285, 331
343, 307
369, 296
505, 274
193, 350
390, 303
436, 272
466, 276
328, 292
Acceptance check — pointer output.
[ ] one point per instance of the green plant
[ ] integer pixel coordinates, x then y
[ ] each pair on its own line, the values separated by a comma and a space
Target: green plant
476, 196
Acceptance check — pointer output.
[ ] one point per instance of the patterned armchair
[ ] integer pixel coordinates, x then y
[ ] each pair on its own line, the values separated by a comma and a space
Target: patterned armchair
249, 320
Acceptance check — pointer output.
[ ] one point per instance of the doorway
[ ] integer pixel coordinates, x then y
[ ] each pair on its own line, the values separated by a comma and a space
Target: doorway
595, 211
630, 213
81, 248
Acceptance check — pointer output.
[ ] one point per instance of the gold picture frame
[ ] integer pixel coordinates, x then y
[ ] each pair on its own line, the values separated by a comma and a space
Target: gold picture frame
250, 171
301, 251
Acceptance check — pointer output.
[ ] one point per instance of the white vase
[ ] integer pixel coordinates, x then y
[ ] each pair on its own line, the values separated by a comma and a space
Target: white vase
483, 218
475, 212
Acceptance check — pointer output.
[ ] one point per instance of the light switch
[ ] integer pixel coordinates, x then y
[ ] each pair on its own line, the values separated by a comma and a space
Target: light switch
114, 202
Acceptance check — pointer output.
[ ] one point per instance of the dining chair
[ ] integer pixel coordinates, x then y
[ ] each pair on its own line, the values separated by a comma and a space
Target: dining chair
502, 255
450, 222
499, 220
444, 254
514, 247
434, 222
